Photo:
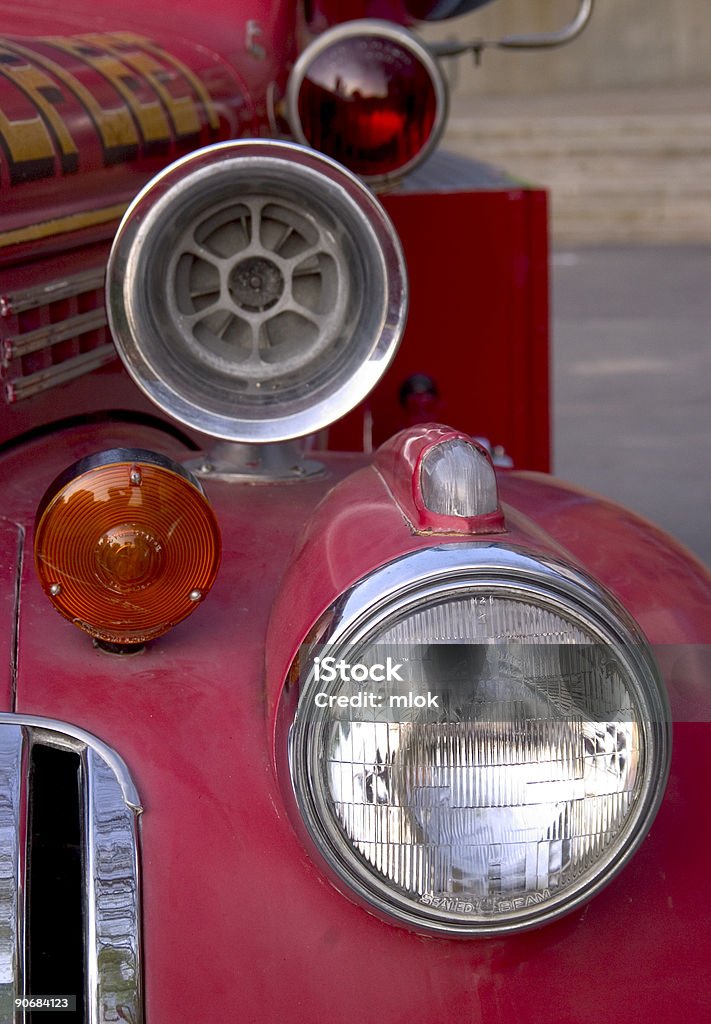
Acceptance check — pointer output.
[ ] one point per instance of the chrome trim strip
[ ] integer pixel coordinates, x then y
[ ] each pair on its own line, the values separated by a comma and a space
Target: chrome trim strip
25, 387
112, 924
13, 827
535, 41
44, 337
41, 295
112, 939
53, 733
455, 566
544, 40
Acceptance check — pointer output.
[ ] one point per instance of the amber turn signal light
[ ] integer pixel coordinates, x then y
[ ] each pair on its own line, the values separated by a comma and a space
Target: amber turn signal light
126, 545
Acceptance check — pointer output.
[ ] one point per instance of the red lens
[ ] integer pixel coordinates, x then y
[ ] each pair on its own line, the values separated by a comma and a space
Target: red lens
370, 102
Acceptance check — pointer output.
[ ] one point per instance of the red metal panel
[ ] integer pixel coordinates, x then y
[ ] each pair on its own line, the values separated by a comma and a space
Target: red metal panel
238, 922
87, 114
478, 321
92, 100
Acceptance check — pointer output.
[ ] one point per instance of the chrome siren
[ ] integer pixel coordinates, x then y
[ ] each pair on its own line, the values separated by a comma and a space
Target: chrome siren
256, 290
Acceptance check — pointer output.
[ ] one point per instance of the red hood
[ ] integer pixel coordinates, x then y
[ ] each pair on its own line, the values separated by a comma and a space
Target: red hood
96, 101
239, 924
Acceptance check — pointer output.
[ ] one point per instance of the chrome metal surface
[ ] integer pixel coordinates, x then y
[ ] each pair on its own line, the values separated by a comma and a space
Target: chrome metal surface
61, 734
13, 823
545, 40
72, 315
234, 462
256, 290
110, 858
112, 926
377, 28
52, 334
21, 300
536, 41
461, 570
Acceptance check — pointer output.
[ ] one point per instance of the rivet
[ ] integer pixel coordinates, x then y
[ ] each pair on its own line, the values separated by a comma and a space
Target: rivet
135, 478
55, 589
195, 595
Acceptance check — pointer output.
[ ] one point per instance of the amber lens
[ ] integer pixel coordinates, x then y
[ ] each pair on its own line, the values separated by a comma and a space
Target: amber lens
125, 550
368, 102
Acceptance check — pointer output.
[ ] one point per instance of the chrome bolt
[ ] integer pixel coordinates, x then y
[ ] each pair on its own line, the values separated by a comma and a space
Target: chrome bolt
55, 589
195, 595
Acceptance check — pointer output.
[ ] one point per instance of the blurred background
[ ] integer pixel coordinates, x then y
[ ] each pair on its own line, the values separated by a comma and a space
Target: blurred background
617, 126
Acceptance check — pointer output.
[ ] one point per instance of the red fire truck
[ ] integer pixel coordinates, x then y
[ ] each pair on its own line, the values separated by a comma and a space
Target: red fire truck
351, 711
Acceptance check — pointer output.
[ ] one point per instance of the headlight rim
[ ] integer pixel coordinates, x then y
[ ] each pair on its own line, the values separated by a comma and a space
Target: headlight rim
362, 610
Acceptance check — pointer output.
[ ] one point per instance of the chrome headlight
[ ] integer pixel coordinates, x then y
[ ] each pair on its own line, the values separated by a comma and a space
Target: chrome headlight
481, 742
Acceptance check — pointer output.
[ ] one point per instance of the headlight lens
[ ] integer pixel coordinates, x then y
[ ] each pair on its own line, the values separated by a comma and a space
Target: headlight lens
506, 770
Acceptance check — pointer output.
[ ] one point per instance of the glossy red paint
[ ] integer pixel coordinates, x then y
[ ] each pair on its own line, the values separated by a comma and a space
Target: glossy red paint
490, 246
628, 555
483, 253
239, 923
237, 919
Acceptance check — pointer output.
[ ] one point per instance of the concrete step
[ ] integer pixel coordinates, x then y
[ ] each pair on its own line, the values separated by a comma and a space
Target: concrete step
601, 220
616, 169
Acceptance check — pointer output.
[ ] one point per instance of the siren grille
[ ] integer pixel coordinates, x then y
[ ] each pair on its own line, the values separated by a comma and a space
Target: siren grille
256, 290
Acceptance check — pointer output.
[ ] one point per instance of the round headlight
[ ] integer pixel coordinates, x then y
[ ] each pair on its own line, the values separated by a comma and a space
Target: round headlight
481, 741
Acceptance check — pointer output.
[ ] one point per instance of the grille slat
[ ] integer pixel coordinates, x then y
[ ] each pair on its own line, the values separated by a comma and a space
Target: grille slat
53, 333
18, 388
40, 295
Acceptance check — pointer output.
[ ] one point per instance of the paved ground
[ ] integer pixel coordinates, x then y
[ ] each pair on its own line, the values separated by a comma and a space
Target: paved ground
632, 380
